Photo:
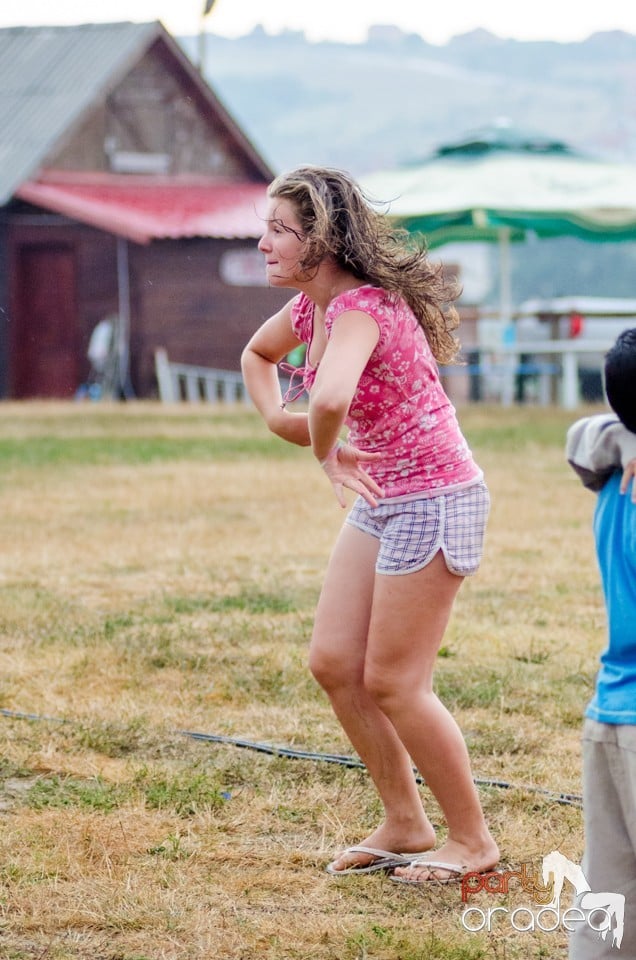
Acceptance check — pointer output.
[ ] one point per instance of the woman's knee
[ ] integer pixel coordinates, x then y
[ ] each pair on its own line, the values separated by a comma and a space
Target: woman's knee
319, 666
392, 691
381, 687
330, 668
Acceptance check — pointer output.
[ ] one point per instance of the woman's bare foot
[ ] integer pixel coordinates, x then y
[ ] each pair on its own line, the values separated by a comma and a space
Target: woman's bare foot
399, 841
458, 858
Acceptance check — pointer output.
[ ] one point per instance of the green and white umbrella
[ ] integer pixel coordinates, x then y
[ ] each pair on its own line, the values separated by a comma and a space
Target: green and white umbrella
501, 185
499, 178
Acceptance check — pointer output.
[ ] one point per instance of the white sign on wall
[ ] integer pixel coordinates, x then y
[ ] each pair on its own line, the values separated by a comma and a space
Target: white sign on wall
243, 268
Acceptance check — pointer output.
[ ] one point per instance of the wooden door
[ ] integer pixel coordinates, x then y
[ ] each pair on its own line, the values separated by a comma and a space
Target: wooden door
45, 354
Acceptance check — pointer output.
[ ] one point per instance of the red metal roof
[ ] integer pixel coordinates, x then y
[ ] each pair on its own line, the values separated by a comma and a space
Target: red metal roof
145, 208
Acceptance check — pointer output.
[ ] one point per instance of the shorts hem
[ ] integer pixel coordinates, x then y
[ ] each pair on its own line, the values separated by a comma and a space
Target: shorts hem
424, 563
362, 528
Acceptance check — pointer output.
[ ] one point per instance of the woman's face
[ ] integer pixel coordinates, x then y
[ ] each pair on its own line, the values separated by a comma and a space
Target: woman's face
282, 243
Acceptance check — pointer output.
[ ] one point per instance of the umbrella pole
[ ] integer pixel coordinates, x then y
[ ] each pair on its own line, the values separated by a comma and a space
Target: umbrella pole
505, 283
505, 315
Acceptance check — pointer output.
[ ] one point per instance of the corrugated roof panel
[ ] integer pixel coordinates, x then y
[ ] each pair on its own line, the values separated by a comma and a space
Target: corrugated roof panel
48, 77
150, 208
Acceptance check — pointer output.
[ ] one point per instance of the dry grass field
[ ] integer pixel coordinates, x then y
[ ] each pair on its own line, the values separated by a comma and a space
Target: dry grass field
158, 572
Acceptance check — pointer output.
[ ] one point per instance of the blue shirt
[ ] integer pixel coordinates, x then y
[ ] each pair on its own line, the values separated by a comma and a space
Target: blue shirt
614, 700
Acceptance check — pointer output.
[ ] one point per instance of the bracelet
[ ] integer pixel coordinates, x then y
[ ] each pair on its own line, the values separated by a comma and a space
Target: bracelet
334, 450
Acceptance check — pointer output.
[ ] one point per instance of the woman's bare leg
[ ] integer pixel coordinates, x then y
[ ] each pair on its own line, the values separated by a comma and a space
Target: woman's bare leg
337, 659
409, 616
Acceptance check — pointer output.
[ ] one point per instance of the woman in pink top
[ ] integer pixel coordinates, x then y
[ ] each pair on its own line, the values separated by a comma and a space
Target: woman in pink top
375, 316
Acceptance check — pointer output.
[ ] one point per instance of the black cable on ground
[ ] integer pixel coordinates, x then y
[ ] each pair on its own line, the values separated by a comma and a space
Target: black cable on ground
571, 799
16, 715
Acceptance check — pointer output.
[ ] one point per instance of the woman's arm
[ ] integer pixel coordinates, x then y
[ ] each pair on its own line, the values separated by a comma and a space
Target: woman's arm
259, 360
353, 338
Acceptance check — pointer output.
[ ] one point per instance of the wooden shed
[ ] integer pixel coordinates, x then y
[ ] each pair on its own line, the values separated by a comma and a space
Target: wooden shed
130, 199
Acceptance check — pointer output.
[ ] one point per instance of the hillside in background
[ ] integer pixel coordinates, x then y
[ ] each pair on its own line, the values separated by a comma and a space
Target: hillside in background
395, 98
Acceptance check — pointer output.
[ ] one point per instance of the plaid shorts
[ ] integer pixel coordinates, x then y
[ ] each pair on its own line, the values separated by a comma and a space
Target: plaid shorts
412, 532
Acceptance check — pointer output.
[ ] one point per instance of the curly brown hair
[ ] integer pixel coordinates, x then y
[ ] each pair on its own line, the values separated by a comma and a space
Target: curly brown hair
340, 221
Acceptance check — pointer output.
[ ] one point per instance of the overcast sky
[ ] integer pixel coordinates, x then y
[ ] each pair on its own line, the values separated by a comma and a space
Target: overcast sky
344, 20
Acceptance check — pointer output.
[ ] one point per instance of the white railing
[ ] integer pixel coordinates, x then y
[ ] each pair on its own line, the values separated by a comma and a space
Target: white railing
179, 382
568, 352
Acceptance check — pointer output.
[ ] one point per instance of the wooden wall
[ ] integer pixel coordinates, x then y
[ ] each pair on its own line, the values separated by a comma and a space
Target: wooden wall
178, 300
181, 303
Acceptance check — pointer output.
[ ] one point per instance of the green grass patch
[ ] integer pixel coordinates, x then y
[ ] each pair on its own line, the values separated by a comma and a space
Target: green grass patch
250, 600
113, 739
61, 792
467, 688
34, 452
188, 794
383, 943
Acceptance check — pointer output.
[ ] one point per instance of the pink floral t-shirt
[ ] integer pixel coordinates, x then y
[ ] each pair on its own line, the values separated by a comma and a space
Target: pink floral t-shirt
399, 407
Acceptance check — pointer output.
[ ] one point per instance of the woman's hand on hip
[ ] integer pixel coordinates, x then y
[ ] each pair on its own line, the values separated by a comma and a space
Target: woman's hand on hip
343, 468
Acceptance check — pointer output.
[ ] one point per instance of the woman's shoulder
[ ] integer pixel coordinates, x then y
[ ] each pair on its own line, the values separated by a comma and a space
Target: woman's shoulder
391, 313
366, 298
374, 301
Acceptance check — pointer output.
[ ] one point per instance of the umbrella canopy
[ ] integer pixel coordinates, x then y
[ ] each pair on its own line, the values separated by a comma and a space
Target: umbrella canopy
502, 178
